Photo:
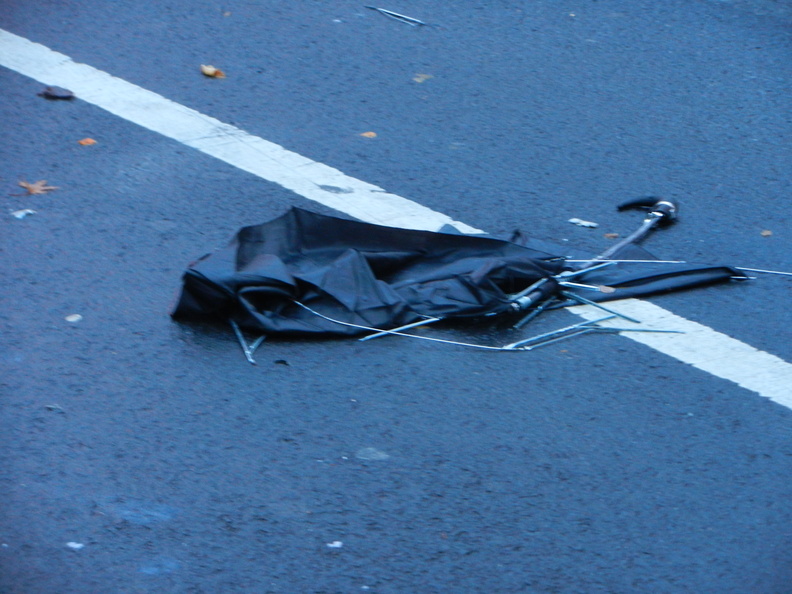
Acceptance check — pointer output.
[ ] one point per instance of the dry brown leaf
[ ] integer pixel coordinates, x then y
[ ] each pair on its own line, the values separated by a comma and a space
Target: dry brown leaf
211, 71
87, 141
39, 187
766, 233
369, 135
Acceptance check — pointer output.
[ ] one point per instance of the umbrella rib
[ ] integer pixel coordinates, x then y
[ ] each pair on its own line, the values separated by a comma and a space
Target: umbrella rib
397, 333
405, 327
248, 349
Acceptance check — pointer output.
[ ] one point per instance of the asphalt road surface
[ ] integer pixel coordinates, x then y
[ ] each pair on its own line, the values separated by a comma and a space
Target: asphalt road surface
144, 455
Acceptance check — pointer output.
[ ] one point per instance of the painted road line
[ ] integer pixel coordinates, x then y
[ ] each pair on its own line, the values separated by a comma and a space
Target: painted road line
315, 181
700, 346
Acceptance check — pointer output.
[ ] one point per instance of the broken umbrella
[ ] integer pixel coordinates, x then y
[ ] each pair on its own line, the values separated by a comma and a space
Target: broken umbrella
309, 274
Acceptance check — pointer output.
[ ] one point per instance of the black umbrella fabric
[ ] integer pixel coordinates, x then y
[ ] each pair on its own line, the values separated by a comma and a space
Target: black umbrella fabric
384, 277
354, 272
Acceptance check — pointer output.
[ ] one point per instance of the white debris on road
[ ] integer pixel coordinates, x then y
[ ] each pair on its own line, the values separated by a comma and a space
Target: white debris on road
582, 223
21, 214
371, 454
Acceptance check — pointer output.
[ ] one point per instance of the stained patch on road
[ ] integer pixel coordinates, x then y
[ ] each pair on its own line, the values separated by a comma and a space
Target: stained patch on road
138, 511
159, 566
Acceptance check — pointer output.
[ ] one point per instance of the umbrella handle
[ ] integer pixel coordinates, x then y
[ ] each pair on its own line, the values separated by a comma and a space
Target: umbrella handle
661, 214
665, 211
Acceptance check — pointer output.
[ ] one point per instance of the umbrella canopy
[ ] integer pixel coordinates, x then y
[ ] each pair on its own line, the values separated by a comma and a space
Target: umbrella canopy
385, 277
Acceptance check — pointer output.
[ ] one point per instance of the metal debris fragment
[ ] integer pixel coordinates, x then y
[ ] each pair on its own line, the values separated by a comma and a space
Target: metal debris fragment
399, 17
248, 349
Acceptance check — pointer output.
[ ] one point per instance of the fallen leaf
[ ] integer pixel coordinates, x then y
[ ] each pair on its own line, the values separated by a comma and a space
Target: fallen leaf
87, 141
39, 187
611, 235
766, 233
56, 93
419, 78
21, 214
369, 135
211, 71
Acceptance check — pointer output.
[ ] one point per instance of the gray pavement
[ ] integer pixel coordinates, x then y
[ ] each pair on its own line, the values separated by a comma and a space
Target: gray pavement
598, 465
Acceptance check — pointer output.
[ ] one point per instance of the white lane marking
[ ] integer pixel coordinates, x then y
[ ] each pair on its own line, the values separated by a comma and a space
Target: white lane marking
255, 155
701, 347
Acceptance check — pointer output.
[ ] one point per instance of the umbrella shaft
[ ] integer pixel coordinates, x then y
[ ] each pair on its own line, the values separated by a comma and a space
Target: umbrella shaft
648, 223
636, 236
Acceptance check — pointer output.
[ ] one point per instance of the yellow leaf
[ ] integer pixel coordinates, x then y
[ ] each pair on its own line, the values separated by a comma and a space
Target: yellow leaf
87, 141
212, 72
